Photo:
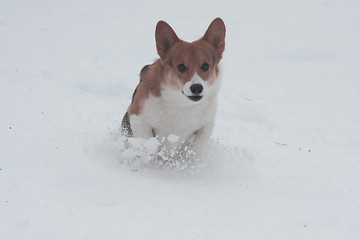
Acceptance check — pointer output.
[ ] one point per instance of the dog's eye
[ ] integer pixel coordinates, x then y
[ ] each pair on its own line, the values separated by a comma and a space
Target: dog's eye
204, 67
181, 67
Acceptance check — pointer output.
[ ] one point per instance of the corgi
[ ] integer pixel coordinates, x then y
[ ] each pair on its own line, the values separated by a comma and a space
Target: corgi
176, 98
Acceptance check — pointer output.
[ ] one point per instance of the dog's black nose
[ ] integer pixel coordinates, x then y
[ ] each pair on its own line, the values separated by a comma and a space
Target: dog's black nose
196, 88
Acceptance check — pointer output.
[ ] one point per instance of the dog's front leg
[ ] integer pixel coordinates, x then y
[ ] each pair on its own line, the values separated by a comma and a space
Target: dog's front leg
140, 128
201, 138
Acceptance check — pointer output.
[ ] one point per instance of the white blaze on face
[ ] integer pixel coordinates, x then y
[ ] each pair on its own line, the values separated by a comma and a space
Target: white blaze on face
196, 79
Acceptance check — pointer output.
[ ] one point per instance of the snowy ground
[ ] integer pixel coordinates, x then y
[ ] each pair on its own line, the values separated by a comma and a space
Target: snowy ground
284, 158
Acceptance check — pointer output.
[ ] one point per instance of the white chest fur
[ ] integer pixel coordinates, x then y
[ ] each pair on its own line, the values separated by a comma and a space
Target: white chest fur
174, 114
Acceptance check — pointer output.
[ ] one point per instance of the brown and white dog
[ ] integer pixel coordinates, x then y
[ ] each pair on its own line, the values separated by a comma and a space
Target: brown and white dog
177, 94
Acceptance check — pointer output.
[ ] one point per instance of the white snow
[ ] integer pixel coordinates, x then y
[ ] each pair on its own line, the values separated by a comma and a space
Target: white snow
284, 158
173, 138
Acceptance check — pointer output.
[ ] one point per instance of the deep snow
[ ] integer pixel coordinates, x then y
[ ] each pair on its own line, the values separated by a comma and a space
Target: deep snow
284, 158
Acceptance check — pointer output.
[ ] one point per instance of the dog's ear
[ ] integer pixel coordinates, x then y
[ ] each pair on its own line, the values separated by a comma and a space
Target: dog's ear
215, 35
165, 38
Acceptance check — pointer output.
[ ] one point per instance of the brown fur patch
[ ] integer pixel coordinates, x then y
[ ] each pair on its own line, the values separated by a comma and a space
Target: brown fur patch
150, 83
193, 56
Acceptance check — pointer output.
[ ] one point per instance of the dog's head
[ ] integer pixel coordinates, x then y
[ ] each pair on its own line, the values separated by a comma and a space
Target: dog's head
191, 68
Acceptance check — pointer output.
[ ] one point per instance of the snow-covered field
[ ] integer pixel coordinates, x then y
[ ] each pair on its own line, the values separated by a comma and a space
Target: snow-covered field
284, 158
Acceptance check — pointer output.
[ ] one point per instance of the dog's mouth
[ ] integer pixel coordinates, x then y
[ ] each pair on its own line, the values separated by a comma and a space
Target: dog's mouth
195, 98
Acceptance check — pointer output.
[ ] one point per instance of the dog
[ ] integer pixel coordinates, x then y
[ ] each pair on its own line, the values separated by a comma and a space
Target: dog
176, 98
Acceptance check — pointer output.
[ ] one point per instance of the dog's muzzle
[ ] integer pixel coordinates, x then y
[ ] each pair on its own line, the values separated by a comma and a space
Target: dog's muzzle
196, 90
